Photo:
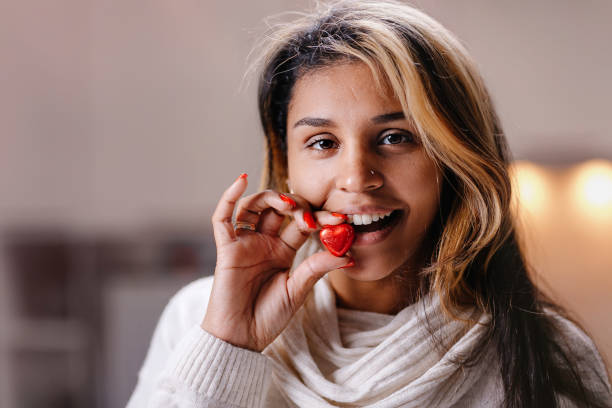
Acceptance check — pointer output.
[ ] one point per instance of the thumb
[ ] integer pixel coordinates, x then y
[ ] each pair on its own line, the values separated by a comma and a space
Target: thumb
309, 272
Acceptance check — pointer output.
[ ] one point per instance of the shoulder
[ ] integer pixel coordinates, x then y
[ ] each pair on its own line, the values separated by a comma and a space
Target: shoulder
582, 350
195, 293
574, 338
183, 312
185, 309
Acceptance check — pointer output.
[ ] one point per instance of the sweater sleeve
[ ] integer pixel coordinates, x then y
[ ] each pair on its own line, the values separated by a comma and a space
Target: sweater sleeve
186, 367
205, 371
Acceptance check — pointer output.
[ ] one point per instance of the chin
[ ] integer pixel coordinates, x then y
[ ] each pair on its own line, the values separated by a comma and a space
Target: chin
368, 270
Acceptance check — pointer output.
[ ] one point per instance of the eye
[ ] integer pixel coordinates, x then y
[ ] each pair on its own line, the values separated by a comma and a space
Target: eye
322, 144
397, 138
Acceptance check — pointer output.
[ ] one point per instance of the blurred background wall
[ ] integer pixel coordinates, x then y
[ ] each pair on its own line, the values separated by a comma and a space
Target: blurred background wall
123, 121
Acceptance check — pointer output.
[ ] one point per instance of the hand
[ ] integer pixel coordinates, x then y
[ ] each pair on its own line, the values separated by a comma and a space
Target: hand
253, 296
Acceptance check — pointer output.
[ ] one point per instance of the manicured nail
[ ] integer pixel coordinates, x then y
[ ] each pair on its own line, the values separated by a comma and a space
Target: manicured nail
344, 217
243, 176
309, 220
288, 199
350, 263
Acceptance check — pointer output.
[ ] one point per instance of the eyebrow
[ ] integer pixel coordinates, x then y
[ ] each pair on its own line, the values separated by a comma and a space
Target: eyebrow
322, 122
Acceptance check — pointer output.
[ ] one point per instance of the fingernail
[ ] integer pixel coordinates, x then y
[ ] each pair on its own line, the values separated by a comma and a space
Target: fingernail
344, 217
243, 176
309, 220
350, 263
288, 199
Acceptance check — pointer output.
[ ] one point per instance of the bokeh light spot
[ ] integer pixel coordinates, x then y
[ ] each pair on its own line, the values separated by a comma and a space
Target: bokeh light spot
531, 186
597, 185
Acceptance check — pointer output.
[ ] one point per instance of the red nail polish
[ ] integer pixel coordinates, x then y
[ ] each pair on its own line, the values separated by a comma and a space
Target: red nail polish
243, 176
288, 199
350, 263
344, 217
309, 220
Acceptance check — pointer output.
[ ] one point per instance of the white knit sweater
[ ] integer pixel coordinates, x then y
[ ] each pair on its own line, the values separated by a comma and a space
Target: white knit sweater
187, 367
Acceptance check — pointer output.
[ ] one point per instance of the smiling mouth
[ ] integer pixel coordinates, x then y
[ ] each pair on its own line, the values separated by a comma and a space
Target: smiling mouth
378, 225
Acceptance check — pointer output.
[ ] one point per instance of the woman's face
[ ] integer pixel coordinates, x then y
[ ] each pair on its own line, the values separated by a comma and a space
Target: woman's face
352, 151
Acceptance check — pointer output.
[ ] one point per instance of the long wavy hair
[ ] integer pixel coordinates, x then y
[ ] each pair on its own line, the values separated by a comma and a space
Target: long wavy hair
476, 259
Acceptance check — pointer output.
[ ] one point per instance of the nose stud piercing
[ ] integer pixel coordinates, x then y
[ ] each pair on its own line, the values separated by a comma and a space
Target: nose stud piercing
372, 172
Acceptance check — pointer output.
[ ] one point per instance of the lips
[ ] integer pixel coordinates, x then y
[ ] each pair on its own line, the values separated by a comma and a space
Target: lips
377, 232
378, 225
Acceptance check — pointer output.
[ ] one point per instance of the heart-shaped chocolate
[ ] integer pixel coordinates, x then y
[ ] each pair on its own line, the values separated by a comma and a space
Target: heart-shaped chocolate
337, 238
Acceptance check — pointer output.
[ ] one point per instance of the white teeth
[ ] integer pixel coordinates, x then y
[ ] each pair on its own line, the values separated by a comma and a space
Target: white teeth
365, 219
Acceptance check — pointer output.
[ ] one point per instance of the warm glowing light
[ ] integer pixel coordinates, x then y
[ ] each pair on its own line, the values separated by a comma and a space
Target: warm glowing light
593, 186
531, 186
597, 187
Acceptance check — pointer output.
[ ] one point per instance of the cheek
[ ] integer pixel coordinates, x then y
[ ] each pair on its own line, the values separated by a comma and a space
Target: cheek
429, 194
419, 184
309, 181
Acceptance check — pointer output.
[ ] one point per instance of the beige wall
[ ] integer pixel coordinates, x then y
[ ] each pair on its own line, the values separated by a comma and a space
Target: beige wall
118, 114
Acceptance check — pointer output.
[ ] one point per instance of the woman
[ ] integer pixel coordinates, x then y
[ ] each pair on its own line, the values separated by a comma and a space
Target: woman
374, 115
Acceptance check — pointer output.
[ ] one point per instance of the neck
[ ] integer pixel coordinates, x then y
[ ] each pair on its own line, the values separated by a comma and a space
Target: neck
387, 296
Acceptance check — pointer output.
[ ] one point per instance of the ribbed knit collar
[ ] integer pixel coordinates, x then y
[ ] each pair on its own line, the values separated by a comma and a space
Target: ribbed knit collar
330, 357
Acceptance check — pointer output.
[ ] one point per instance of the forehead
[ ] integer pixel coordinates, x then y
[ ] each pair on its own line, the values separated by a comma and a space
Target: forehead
340, 87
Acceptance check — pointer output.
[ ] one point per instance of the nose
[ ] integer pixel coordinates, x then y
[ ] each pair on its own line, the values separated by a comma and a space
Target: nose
357, 172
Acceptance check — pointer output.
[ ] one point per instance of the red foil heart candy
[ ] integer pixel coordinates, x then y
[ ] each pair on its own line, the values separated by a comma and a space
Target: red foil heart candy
337, 238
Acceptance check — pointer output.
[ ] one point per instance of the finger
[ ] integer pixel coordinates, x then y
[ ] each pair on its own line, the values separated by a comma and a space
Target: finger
329, 218
313, 268
251, 207
222, 217
270, 222
302, 214
296, 233
304, 223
